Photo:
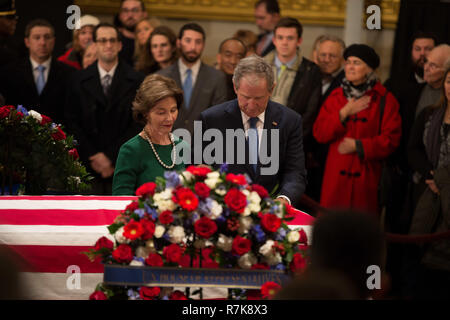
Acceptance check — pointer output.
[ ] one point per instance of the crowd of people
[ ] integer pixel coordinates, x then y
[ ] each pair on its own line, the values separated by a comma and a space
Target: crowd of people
122, 88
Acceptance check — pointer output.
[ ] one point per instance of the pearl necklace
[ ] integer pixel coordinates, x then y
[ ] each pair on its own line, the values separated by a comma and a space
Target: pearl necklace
174, 156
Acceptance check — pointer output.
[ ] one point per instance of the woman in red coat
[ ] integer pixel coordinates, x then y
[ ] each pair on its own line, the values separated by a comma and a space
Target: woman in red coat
349, 120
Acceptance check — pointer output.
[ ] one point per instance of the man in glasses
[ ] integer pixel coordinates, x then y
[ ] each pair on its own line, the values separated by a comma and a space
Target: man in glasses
99, 107
131, 12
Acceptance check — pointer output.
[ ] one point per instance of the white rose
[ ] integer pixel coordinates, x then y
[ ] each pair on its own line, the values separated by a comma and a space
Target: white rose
273, 259
246, 212
35, 115
213, 175
246, 192
136, 263
216, 210
176, 234
245, 223
225, 243
254, 207
119, 236
254, 197
211, 182
293, 236
266, 249
186, 176
220, 191
159, 231
247, 260
143, 252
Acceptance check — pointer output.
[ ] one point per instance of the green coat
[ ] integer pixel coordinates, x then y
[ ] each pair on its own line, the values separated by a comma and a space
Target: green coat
137, 164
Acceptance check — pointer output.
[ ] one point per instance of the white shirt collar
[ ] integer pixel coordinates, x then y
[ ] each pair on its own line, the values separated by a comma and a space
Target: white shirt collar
103, 72
46, 63
183, 68
245, 119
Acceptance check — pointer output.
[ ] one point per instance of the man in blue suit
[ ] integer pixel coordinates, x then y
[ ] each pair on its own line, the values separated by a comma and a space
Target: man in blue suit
271, 130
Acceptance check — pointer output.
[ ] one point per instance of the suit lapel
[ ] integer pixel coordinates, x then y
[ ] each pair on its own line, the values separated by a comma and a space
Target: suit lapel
52, 77
119, 85
201, 80
272, 120
29, 76
93, 85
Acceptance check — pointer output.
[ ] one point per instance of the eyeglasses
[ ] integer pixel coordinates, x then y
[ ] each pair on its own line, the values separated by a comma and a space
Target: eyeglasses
103, 41
329, 55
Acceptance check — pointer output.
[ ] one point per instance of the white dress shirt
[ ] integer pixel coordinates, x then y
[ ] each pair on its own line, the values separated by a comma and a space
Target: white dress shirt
183, 71
35, 65
103, 72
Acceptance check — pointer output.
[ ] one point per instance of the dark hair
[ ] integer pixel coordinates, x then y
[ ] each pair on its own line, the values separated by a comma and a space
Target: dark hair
38, 23
192, 26
348, 242
288, 22
249, 38
146, 62
154, 88
271, 6
234, 39
105, 25
142, 4
424, 35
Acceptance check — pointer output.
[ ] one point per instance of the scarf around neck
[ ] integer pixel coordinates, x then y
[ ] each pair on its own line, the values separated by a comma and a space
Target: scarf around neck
352, 91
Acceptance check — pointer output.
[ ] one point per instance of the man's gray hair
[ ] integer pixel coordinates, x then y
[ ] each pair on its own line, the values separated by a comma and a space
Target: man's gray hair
328, 37
253, 66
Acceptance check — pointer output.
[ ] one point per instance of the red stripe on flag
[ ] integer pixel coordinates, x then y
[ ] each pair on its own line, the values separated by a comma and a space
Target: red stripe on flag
302, 219
58, 217
54, 259
83, 198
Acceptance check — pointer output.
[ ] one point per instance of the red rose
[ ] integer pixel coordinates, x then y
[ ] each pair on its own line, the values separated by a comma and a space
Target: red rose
303, 237
298, 263
238, 179
208, 258
98, 295
133, 230
202, 190
166, 217
45, 120
154, 260
19, 115
132, 206
199, 172
185, 261
241, 245
177, 295
172, 253
146, 189
103, 242
270, 222
5, 111
58, 134
260, 190
269, 289
211, 264
290, 211
253, 294
123, 254
205, 227
235, 200
149, 293
260, 266
186, 199
74, 154
149, 229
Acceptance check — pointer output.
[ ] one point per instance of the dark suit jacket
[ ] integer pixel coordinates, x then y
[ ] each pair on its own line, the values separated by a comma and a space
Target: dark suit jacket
268, 49
20, 88
100, 123
335, 83
210, 89
291, 175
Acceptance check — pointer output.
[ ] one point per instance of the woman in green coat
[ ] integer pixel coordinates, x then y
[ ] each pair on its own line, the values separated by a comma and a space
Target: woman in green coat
155, 149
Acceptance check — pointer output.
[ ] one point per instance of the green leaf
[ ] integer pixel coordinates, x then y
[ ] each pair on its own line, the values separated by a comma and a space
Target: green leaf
114, 227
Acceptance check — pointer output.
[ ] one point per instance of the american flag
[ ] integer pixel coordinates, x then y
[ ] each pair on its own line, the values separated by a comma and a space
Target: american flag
49, 234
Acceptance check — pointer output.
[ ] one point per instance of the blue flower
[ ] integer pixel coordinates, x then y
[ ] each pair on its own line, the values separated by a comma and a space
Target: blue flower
140, 212
165, 298
223, 168
279, 266
133, 295
258, 232
152, 212
172, 179
280, 235
140, 259
204, 207
22, 109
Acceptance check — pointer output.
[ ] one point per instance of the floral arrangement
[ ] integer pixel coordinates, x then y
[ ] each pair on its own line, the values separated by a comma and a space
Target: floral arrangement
37, 155
201, 218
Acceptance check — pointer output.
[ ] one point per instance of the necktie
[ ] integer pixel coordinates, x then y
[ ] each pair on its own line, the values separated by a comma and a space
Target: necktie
40, 81
282, 68
106, 83
187, 88
253, 143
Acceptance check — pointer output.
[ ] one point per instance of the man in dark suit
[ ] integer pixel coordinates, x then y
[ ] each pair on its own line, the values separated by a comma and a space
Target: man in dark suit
267, 15
257, 116
38, 81
99, 107
203, 86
